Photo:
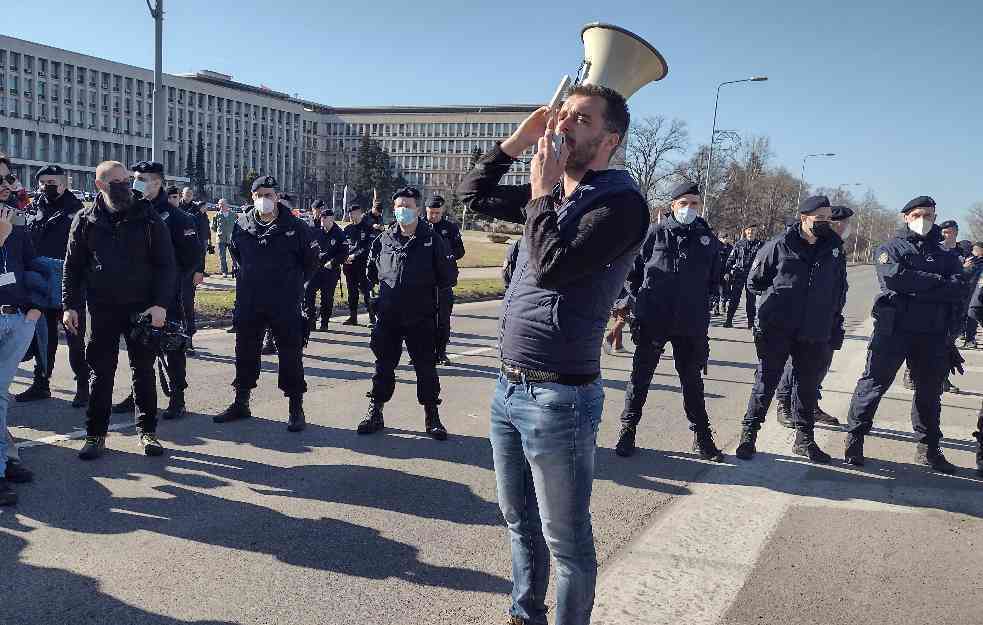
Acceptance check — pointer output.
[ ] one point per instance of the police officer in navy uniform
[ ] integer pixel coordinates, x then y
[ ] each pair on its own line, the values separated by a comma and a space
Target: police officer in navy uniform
197, 212
51, 216
149, 180
722, 296
332, 252
277, 254
798, 276
411, 264
736, 269
916, 318
359, 236
841, 227
673, 278
451, 234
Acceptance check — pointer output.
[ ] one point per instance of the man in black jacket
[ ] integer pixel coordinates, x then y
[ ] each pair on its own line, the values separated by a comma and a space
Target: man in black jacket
276, 255
410, 263
973, 271
121, 250
671, 283
801, 281
916, 318
720, 299
52, 214
736, 269
359, 236
451, 233
331, 255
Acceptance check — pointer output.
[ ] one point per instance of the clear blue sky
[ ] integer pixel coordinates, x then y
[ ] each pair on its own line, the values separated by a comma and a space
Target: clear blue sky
894, 88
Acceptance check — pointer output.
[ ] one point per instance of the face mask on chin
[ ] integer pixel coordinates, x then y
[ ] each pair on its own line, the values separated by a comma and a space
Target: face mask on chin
685, 216
921, 226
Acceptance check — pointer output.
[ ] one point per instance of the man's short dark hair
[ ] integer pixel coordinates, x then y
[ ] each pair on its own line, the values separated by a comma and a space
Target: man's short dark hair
616, 116
5, 160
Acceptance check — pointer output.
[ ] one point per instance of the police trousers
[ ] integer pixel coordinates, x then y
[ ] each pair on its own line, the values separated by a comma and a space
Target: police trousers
387, 345
445, 306
689, 355
288, 330
929, 365
325, 282
738, 286
808, 361
188, 289
357, 282
788, 381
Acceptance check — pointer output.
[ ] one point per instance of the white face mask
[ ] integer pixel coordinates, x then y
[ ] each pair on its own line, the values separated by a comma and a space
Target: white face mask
684, 216
846, 232
921, 226
264, 205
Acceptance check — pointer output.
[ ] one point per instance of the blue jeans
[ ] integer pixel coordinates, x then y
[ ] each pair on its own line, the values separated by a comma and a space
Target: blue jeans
15, 337
543, 438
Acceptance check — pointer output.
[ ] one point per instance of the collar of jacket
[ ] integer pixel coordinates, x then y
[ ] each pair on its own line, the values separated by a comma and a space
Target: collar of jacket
698, 225
795, 240
934, 235
423, 230
66, 203
284, 221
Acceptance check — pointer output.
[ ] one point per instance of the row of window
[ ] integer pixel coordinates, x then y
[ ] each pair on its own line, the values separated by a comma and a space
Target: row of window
424, 129
56, 70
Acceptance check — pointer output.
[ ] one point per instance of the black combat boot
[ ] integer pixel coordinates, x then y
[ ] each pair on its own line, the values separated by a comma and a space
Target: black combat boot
297, 420
175, 406
931, 456
8, 496
373, 421
784, 411
81, 399
729, 323
93, 447
17, 473
626, 439
854, 452
352, 318
435, 428
324, 325
979, 453
805, 445
124, 406
38, 390
239, 409
746, 449
821, 416
704, 445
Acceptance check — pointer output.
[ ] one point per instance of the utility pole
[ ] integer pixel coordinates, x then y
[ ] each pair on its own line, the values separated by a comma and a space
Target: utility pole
157, 12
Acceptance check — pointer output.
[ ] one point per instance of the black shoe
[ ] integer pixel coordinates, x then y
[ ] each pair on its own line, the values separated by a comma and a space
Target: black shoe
626, 441
81, 399
442, 359
17, 473
933, 457
729, 324
949, 387
8, 496
805, 445
351, 321
127, 405
746, 449
151, 446
703, 444
238, 409
434, 427
371, 320
821, 416
784, 411
175, 407
323, 327
93, 447
373, 421
297, 420
854, 452
37, 391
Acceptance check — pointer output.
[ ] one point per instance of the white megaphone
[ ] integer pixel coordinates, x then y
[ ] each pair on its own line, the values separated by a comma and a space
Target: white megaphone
619, 59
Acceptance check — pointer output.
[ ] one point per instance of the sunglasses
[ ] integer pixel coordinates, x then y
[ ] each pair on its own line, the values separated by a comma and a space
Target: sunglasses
9, 179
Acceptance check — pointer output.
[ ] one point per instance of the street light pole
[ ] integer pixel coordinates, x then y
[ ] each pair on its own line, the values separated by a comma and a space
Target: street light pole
713, 135
802, 179
157, 142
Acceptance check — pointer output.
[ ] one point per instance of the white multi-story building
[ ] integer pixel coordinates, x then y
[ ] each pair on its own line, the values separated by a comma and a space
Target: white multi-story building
58, 106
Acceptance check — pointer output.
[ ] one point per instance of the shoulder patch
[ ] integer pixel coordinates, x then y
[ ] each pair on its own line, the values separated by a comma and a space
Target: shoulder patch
290, 233
190, 232
883, 258
836, 252
705, 240
754, 265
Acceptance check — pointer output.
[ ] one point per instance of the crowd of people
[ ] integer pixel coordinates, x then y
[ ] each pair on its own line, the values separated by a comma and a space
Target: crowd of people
127, 267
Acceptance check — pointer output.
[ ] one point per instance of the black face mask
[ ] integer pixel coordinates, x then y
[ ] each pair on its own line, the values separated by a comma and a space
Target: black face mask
822, 229
121, 195
51, 192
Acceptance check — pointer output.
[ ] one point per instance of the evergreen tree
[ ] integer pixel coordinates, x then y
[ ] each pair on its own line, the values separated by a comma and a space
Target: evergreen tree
189, 165
246, 188
199, 180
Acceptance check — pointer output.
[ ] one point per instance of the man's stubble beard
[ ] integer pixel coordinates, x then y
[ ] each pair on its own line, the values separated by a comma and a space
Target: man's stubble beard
581, 156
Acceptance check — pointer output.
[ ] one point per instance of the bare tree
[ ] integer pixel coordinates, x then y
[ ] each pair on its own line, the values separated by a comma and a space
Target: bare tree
649, 148
975, 218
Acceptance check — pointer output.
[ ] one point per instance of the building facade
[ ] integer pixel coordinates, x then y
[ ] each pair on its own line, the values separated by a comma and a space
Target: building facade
58, 106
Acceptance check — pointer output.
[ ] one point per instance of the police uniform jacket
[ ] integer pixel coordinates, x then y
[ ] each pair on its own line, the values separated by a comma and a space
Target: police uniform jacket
124, 259
200, 220
408, 271
275, 261
359, 238
332, 248
921, 285
49, 223
742, 256
674, 275
451, 233
972, 275
184, 236
976, 301
725, 250
801, 287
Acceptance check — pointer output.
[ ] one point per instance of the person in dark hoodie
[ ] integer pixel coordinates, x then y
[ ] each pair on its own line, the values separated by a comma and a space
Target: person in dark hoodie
52, 213
121, 250
674, 277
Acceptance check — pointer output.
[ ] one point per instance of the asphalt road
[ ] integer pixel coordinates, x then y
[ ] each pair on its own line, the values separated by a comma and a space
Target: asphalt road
248, 523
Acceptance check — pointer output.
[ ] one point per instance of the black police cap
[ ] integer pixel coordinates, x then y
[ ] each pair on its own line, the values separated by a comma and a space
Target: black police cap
264, 182
317, 204
685, 188
841, 212
148, 167
410, 192
949, 223
922, 201
435, 202
49, 170
172, 190
812, 204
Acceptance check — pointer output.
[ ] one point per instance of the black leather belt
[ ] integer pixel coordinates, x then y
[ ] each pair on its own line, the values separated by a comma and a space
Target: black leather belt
9, 309
518, 375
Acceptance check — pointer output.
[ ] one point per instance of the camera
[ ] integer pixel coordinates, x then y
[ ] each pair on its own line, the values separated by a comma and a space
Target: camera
169, 338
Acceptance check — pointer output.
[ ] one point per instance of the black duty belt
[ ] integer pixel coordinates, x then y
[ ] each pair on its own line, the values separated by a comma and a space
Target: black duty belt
518, 375
9, 309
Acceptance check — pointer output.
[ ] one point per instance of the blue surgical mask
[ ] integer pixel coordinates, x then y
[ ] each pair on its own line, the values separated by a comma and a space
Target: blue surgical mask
405, 215
139, 186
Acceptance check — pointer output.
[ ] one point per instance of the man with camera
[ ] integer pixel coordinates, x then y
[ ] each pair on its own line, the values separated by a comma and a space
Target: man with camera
121, 250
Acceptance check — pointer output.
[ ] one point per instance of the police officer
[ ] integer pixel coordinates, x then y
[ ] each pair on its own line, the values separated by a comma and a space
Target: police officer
410, 263
451, 234
51, 217
722, 296
799, 277
121, 251
277, 254
841, 227
973, 271
332, 252
976, 312
358, 236
737, 268
198, 213
671, 282
373, 219
915, 318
